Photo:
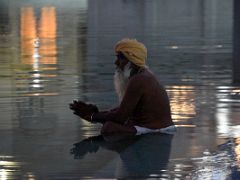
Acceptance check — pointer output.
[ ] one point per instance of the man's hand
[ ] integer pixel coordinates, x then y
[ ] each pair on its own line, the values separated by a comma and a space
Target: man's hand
83, 110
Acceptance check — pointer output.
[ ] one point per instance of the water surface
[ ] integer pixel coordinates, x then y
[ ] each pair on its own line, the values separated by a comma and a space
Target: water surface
52, 52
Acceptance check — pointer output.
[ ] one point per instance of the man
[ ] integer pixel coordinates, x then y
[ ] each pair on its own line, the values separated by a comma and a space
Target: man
144, 104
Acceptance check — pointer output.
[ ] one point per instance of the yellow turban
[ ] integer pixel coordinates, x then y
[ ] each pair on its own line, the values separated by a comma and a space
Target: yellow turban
133, 50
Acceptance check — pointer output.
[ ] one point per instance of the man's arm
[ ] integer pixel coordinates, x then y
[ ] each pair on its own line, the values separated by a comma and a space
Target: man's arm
133, 93
85, 111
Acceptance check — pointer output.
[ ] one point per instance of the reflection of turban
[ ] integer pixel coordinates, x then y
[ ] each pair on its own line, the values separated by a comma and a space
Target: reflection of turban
133, 50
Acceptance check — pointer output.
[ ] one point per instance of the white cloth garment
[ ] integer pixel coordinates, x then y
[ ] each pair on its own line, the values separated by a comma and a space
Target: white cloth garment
167, 130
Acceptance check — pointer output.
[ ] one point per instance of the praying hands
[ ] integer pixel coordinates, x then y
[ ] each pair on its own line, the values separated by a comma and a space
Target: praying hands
85, 111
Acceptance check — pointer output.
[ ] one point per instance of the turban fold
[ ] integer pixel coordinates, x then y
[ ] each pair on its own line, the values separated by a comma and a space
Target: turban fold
133, 50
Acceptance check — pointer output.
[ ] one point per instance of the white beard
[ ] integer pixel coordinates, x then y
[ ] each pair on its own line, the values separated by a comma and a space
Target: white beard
121, 80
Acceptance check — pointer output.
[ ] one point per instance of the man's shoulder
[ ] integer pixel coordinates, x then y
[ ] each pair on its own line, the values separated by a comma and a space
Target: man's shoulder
144, 75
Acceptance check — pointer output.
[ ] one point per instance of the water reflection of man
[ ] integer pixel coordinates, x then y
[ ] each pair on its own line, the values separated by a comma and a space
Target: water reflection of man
144, 104
140, 155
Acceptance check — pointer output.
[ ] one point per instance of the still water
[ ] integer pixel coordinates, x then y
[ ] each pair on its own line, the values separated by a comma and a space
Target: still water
52, 52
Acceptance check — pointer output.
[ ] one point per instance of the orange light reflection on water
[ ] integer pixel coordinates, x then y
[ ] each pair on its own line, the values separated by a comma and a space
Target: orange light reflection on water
47, 35
237, 150
186, 125
182, 102
28, 34
38, 45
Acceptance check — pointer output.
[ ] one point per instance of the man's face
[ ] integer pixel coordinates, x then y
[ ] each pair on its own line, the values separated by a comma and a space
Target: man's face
121, 61
122, 74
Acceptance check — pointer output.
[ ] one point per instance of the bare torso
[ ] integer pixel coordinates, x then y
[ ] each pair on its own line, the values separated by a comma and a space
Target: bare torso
145, 104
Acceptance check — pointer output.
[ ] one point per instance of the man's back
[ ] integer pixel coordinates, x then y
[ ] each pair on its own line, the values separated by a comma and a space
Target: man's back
153, 108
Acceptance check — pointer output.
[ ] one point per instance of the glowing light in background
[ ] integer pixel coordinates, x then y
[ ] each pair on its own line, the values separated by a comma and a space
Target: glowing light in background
28, 35
47, 35
38, 43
